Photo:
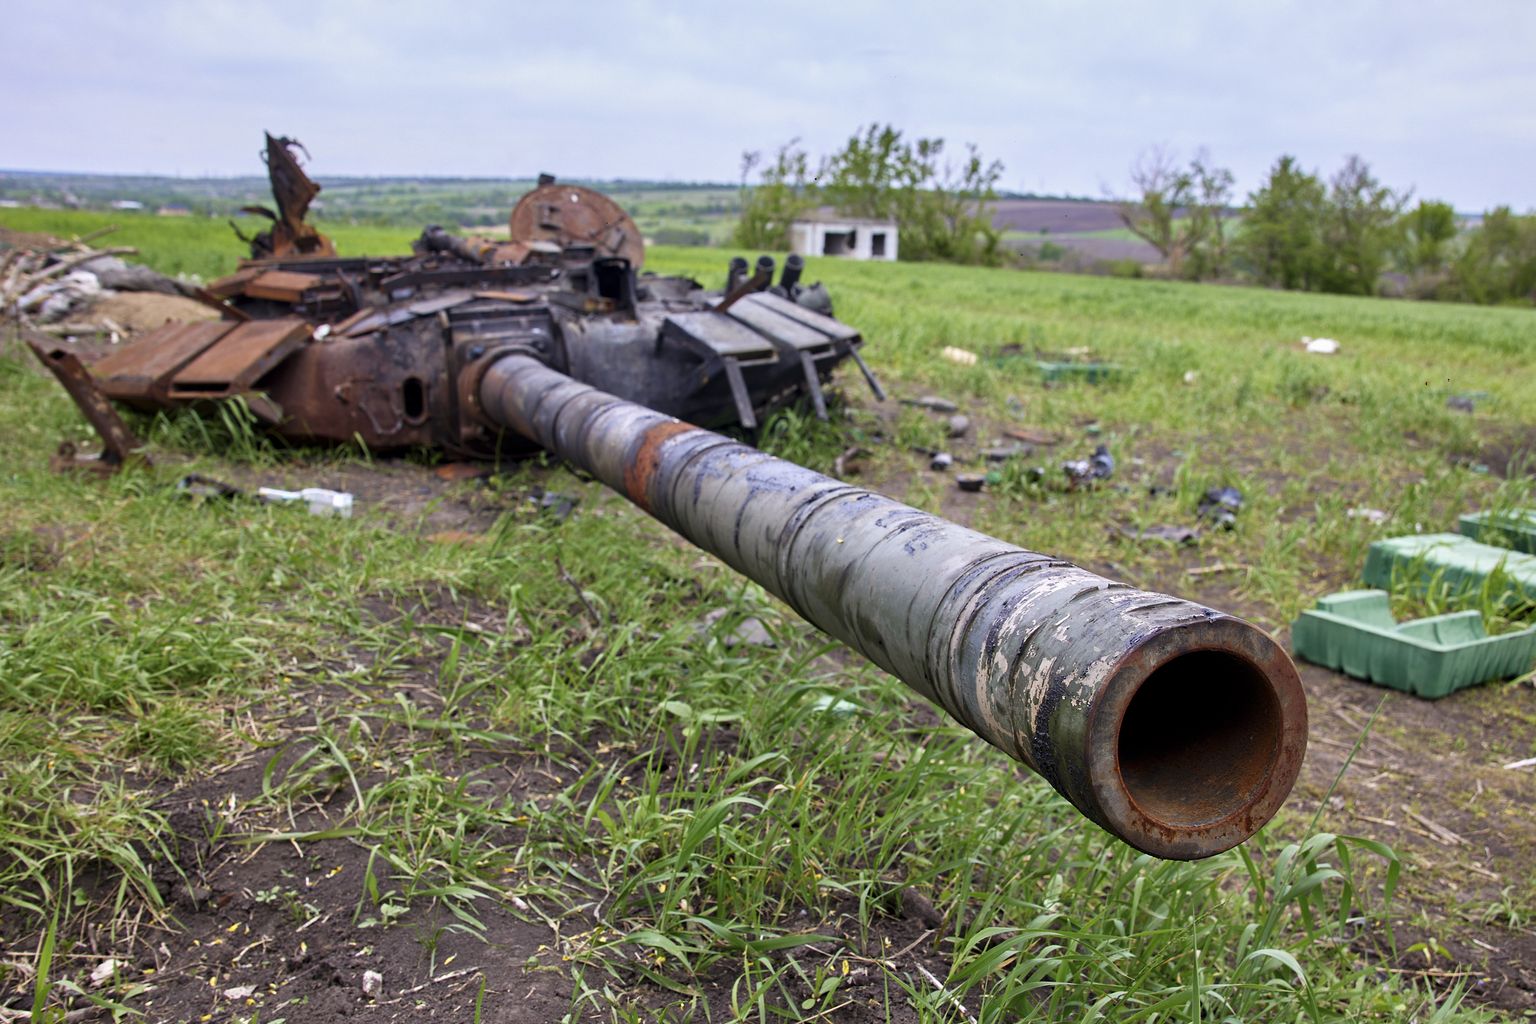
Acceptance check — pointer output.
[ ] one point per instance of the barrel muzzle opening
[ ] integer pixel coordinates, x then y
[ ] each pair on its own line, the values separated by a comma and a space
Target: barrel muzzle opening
1204, 744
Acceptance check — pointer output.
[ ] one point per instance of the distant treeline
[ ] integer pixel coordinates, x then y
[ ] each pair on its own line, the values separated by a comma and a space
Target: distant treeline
1349, 234
383, 201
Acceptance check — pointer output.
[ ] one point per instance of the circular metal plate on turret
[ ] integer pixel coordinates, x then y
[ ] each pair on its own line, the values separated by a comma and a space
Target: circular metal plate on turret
573, 215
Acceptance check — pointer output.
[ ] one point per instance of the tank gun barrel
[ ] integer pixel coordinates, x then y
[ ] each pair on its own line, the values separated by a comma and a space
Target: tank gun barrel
1177, 728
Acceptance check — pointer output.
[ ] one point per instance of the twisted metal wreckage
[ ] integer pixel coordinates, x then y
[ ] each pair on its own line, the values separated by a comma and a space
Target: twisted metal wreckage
1176, 727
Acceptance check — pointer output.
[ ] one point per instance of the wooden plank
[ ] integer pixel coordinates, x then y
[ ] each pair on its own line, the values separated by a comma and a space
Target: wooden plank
142, 369
240, 359
708, 331
282, 285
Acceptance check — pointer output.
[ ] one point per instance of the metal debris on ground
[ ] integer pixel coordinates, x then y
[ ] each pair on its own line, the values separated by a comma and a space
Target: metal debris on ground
119, 446
320, 500
1220, 507
555, 504
1086, 472
1374, 516
40, 288
1036, 437
941, 461
970, 481
958, 425
849, 462
749, 632
1171, 534
1003, 453
196, 485
933, 403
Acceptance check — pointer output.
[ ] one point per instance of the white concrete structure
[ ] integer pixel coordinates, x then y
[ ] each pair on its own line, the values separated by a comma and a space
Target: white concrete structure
826, 233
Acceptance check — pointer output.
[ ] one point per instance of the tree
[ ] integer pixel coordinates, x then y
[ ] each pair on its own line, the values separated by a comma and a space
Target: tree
1280, 240
1498, 263
943, 209
787, 191
1424, 236
1181, 212
1358, 229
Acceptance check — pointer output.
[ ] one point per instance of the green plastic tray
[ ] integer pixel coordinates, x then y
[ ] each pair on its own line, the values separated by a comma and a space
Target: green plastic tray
1093, 373
1515, 530
1459, 562
1354, 632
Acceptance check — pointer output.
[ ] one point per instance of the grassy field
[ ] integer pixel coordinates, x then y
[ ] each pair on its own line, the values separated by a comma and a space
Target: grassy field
484, 748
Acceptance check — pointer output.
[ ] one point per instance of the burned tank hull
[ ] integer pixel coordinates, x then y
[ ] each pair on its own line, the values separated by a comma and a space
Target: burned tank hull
338, 350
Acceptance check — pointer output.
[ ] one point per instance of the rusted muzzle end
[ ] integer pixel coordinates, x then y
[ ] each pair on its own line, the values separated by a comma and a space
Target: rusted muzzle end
1196, 738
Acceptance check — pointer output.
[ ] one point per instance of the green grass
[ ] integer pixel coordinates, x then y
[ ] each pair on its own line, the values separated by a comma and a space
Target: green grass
710, 815
203, 246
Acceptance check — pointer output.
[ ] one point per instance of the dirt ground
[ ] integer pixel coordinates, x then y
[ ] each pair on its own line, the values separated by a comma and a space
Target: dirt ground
259, 928
273, 926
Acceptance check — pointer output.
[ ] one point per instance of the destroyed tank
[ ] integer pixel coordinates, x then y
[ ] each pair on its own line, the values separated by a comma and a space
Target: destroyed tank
326, 348
1176, 727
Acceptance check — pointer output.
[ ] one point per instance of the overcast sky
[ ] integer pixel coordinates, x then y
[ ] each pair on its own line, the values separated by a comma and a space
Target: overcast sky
1437, 96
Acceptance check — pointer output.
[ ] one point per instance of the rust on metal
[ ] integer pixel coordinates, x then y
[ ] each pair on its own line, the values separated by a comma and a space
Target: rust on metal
140, 372
281, 285
238, 359
572, 215
647, 457
293, 191
119, 446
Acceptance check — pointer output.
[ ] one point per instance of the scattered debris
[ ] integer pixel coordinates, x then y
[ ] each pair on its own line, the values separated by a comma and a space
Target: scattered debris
941, 461
933, 403
1320, 346
1441, 834
1006, 452
244, 991
321, 502
970, 481
1089, 373
958, 425
44, 286
847, 463
1371, 515
102, 972
1220, 507
1462, 403
1206, 570
119, 446
195, 485
749, 632
1191, 377
1036, 437
463, 470
1527, 762
1085, 472
556, 504
1171, 534
373, 984
964, 357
